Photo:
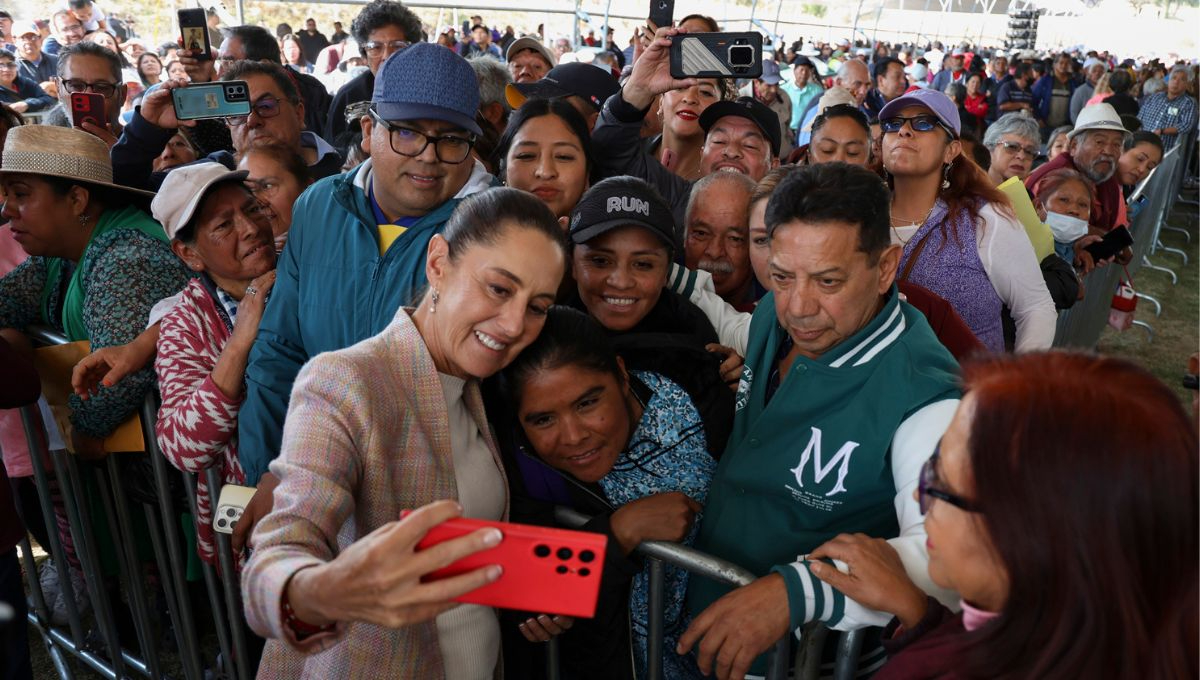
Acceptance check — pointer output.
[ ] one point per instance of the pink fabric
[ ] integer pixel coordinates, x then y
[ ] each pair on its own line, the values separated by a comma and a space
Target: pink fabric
197, 423
975, 618
12, 433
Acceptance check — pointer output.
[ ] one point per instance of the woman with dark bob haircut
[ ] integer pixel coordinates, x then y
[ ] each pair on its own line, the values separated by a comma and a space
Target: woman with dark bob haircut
551, 159
1061, 504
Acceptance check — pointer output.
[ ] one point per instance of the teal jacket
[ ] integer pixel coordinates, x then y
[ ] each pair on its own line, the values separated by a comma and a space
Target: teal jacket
332, 290
834, 451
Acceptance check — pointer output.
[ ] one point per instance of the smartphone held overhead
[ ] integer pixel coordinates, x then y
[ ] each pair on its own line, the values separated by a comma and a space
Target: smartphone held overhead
211, 100
193, 29
716, 55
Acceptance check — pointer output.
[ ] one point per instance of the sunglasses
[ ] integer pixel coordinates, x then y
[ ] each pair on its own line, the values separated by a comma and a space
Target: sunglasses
927, 487
922, 123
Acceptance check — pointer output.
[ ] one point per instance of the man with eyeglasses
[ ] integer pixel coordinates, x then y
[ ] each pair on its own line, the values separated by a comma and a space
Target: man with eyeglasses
381, 29
844, 395
276, 118
89, 67
356, 249
67, 31
35, 64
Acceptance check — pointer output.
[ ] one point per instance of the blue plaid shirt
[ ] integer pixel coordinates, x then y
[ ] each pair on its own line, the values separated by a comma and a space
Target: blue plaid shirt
1158, 112
229, 304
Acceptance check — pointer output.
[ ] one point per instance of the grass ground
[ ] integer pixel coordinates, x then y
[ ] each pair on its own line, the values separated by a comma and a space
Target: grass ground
1176, 336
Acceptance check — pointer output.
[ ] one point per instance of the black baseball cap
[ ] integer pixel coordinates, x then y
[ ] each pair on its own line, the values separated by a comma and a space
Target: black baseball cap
621, 202
593, 84
749, 108
804, 61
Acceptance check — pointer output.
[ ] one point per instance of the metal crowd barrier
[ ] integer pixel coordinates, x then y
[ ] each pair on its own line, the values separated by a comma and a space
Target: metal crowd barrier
1081, 325
115, 656
807, 661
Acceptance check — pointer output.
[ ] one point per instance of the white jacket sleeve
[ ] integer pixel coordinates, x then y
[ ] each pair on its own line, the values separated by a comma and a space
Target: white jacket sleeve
732, 326
1013, 268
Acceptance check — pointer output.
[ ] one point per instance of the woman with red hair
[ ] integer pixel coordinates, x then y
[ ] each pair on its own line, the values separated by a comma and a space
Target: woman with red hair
1061, 505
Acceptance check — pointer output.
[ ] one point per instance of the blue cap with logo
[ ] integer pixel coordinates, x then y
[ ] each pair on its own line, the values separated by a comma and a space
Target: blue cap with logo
622, 202
427, 81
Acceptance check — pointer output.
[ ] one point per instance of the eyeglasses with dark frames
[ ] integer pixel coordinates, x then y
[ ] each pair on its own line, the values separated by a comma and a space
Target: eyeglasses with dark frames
406, 141
927, 487
266, 107
102, 88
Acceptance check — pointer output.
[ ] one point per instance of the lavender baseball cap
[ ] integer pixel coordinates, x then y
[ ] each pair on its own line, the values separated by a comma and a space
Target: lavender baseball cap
938, 104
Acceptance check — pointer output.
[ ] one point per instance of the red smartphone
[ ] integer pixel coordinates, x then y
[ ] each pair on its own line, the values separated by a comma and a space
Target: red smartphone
548, 571
88, 107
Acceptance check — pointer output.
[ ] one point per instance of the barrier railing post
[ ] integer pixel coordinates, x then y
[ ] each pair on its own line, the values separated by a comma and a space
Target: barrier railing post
211, 585
654, 623
230, 584
849, 649
552, 668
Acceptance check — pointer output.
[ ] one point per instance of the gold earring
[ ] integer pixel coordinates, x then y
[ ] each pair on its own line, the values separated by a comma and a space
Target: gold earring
433, 303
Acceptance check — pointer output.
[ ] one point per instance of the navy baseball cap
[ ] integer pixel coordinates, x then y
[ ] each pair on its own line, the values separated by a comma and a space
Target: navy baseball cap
591, 83
938, 104
770, 72
752, 110
622, 202
425, 80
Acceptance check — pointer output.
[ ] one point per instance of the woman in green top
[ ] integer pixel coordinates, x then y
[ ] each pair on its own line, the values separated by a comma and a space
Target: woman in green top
97, 263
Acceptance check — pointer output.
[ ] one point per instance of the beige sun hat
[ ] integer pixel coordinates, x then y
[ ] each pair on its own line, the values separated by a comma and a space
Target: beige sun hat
834, 96
60, 152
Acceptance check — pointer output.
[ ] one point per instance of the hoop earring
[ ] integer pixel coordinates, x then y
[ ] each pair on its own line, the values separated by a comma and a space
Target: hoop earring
946, 176
433, 302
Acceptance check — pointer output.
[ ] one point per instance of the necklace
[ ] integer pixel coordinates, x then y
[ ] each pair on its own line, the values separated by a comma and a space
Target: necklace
908, 224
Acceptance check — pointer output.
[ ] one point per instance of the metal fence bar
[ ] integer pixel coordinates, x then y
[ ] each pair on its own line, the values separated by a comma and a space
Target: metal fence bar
211, 585
229, 583
654, 643
849, 649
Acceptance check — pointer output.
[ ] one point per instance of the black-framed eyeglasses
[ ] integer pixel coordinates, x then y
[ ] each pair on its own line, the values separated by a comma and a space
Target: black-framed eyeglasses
927, 487
406, 141
1014, 149
375, 47
266, 107
921, 123
102, 88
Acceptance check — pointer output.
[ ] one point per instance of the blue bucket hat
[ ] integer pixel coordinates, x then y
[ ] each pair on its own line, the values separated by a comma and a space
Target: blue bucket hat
426, 80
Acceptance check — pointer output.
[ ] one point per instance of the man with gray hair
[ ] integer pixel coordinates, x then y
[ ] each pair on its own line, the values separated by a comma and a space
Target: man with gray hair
718, 235
493, 112
1013, 141
1096, 144
852, 76
1093, 69
1171, 113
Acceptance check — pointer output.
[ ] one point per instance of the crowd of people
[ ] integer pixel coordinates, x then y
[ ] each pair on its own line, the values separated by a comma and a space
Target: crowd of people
474, 273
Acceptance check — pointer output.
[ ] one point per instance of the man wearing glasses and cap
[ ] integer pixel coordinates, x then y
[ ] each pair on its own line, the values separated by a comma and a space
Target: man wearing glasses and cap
356, 249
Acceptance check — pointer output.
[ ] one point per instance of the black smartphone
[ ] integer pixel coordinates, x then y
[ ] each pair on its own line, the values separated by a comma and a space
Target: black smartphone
662, 12
716, 55
193, 28
1113, 242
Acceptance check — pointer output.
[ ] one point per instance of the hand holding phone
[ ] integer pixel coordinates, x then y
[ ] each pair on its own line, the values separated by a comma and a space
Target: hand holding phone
717, 55
1110, 245
193, 31
88, 107
211, 100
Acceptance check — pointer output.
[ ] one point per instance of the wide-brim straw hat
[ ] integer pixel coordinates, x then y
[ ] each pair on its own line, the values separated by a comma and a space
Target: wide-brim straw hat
61, 152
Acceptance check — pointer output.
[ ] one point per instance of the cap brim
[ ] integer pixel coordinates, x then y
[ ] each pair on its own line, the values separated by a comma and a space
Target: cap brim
722, 109
106, 185
391, 111
912, 99
517, 93
189, 208
592, 231
1104, 125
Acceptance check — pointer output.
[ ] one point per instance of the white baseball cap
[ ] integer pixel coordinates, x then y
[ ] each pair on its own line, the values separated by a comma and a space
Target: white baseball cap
184, 188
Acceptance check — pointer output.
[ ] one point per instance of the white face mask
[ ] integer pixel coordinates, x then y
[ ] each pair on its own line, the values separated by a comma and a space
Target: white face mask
1066, 229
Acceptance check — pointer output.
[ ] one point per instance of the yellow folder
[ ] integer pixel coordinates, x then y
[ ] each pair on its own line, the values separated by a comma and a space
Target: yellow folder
1039, 233
54, 365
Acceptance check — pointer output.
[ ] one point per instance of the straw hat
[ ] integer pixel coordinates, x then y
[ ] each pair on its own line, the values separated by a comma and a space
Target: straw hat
60, 152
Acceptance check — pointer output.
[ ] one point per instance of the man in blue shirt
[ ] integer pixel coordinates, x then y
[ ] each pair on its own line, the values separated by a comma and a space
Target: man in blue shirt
33, 63
1170, 113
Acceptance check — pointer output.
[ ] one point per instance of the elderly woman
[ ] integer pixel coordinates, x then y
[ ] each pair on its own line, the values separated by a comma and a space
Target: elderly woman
98, 262
276, 175
392, 423
1033, 552
219, 230
1013, 141
960, 237
20, 93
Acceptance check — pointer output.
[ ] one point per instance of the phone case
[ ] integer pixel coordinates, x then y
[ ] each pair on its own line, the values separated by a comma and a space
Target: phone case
230, 507
88, 107
193, 28
1113, 243
548, 571
717, 55
211, 100
662, 12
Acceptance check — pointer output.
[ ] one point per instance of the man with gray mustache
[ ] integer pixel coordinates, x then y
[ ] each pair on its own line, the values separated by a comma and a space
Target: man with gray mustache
1096, 144
718, 236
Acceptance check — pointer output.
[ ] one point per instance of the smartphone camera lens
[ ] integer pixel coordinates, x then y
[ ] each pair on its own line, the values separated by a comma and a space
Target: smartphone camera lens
542, 551
564, 553
562, 569
585, 572
741, 55
586, 556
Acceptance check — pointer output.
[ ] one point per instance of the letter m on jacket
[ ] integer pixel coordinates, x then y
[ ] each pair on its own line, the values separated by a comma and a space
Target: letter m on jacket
821, 469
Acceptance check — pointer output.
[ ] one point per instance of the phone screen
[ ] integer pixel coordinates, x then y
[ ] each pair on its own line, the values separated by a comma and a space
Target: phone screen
193, 29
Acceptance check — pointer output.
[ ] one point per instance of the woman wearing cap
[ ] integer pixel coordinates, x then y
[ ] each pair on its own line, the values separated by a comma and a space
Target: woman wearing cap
98, 262
958, 231
1058, 578
546, 150
624, 240
396, 422
221, 233
20, 93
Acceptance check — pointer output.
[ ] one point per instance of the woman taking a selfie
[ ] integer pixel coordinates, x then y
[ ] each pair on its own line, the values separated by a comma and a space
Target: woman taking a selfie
1068, 526
396, 422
